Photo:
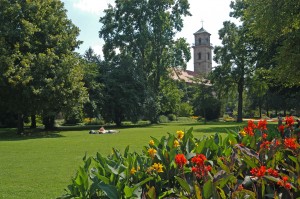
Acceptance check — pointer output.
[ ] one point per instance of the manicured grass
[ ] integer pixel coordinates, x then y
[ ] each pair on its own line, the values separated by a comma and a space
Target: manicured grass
41, 165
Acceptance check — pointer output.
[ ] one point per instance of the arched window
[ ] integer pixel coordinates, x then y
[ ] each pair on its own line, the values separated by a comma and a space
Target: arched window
199, 55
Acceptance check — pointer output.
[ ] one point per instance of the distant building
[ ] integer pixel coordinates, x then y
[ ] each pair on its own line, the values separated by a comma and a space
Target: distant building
202, 51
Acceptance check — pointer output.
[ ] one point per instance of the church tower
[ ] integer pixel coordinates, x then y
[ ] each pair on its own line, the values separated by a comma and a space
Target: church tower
202, 52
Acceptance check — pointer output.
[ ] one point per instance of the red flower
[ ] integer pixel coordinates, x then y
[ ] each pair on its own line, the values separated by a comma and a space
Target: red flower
180, 160
273, 172
290, 143
199, 159
262, 125
249, 130
283, 183
264, 135
265, 145
289, 121
200, 169
258, 172
251, 124
281, 129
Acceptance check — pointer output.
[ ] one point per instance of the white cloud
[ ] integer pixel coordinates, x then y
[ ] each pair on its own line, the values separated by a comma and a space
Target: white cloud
98, 50
95, 7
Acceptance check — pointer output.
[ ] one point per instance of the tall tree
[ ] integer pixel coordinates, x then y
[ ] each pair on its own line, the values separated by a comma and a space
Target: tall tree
39, 71
276, 23
235, 59
124, 90
146, 29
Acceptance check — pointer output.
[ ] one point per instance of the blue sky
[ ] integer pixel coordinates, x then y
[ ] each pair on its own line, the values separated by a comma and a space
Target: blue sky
85, 14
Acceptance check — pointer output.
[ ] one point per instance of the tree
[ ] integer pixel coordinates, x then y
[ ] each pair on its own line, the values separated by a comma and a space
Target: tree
146, 29
39, 72
276, 23
235, 58
92, 78
170, 97
123, 90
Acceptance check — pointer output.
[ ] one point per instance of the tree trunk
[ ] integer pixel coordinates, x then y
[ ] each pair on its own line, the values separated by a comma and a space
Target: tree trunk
48, 121
240, 100
33, 121
20, 123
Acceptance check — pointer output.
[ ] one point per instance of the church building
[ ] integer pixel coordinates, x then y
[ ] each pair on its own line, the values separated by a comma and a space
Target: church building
202, 55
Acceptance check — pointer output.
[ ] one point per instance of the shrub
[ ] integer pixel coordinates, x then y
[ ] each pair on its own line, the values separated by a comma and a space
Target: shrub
163, 119
185, 110
244, 164
172, 117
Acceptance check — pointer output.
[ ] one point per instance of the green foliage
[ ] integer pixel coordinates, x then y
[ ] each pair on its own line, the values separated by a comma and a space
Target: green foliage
163, 119
145, 31
185, 110
242, 164
39, 71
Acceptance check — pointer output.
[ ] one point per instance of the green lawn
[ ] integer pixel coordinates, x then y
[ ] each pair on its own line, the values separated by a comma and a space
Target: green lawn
41, 165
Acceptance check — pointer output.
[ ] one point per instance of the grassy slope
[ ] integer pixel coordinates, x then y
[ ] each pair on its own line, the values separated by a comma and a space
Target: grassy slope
41, 166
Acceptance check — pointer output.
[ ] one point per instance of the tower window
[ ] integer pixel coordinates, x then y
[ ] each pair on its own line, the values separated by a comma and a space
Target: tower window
199, 55
208, 56
199, 40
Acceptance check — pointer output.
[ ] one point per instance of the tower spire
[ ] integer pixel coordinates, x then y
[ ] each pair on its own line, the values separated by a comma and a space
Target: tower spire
202, 22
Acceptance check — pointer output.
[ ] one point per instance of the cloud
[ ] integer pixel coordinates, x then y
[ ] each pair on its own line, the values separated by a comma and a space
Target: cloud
98, 50
95, 7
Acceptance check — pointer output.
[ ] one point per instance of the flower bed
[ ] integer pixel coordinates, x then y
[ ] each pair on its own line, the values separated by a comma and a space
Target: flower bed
251, 163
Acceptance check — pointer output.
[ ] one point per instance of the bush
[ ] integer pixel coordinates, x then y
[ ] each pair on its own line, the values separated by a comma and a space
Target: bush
244, 164
185, 110
172, 117
163, 119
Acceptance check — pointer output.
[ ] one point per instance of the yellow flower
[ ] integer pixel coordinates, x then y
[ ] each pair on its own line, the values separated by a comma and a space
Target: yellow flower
180, 134
157, 167
176, 143
152, 152
138, 168
243, 133
132, 171
151, 142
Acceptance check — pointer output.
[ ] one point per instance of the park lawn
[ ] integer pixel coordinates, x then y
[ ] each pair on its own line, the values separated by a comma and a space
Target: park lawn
42, 165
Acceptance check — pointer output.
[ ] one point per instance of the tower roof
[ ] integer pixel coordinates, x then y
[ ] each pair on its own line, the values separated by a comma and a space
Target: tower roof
201, 30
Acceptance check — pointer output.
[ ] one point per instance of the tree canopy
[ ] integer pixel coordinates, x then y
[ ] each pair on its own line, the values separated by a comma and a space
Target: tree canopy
39, 71
145, 31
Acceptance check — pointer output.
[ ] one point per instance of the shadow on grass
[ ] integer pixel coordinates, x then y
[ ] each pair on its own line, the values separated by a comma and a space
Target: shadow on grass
9, 134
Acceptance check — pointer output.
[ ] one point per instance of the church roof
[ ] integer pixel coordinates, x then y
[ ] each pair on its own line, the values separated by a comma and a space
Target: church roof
185, 75
201, 30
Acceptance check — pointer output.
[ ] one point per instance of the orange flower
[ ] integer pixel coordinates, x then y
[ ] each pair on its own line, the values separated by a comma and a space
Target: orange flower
180, 160
283, 183
290, 143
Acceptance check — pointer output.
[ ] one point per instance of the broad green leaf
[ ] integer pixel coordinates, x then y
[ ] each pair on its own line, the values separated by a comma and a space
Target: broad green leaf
207, 189
109, 190
183, 183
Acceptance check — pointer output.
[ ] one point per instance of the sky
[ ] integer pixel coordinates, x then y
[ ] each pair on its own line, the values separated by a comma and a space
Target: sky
85, 14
